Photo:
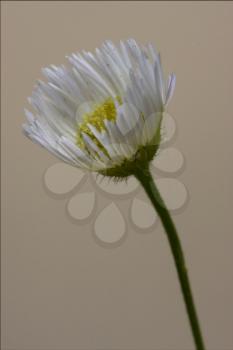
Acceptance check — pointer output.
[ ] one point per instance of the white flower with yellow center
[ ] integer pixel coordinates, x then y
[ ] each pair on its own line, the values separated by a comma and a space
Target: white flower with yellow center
102, 112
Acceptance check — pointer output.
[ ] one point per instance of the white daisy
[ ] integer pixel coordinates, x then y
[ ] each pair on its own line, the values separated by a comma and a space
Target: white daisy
103, 111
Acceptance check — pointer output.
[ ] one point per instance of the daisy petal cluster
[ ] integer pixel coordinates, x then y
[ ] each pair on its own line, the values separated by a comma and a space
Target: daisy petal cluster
103, 111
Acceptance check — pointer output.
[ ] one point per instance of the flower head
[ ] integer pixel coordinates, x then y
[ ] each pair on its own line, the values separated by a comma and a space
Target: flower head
102, 112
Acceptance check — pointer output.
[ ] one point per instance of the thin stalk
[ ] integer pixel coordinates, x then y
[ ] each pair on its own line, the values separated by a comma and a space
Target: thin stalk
145, 178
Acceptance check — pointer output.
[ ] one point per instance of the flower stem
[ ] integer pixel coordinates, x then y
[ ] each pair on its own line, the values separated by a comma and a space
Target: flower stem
145, 178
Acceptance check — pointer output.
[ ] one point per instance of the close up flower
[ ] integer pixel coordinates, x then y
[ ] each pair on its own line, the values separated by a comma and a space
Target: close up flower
103, 111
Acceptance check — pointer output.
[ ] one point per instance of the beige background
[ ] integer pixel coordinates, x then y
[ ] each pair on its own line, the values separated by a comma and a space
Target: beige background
60, 289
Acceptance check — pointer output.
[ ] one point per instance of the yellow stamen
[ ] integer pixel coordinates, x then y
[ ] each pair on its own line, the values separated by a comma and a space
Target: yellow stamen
103, 111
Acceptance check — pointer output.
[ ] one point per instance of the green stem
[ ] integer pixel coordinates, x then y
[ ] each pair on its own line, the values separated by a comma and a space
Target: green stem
146, 180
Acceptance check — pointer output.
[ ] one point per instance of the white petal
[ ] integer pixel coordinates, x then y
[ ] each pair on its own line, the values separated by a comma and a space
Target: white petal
127, 118
170, 88
150, 128
122, 149
30, 117
168, 128
158, 86
93, 148
105, 141
79, 156
84, 108
93, 75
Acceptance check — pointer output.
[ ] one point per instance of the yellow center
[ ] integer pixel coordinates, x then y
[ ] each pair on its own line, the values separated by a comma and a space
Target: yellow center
103, 111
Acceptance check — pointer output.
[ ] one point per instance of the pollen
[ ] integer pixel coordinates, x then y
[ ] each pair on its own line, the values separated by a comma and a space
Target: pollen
102, 112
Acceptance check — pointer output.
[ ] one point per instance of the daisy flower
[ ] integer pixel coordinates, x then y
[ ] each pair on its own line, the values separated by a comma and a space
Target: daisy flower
103, 113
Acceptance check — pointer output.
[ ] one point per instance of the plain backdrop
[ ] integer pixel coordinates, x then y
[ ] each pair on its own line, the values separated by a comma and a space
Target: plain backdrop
60, 289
